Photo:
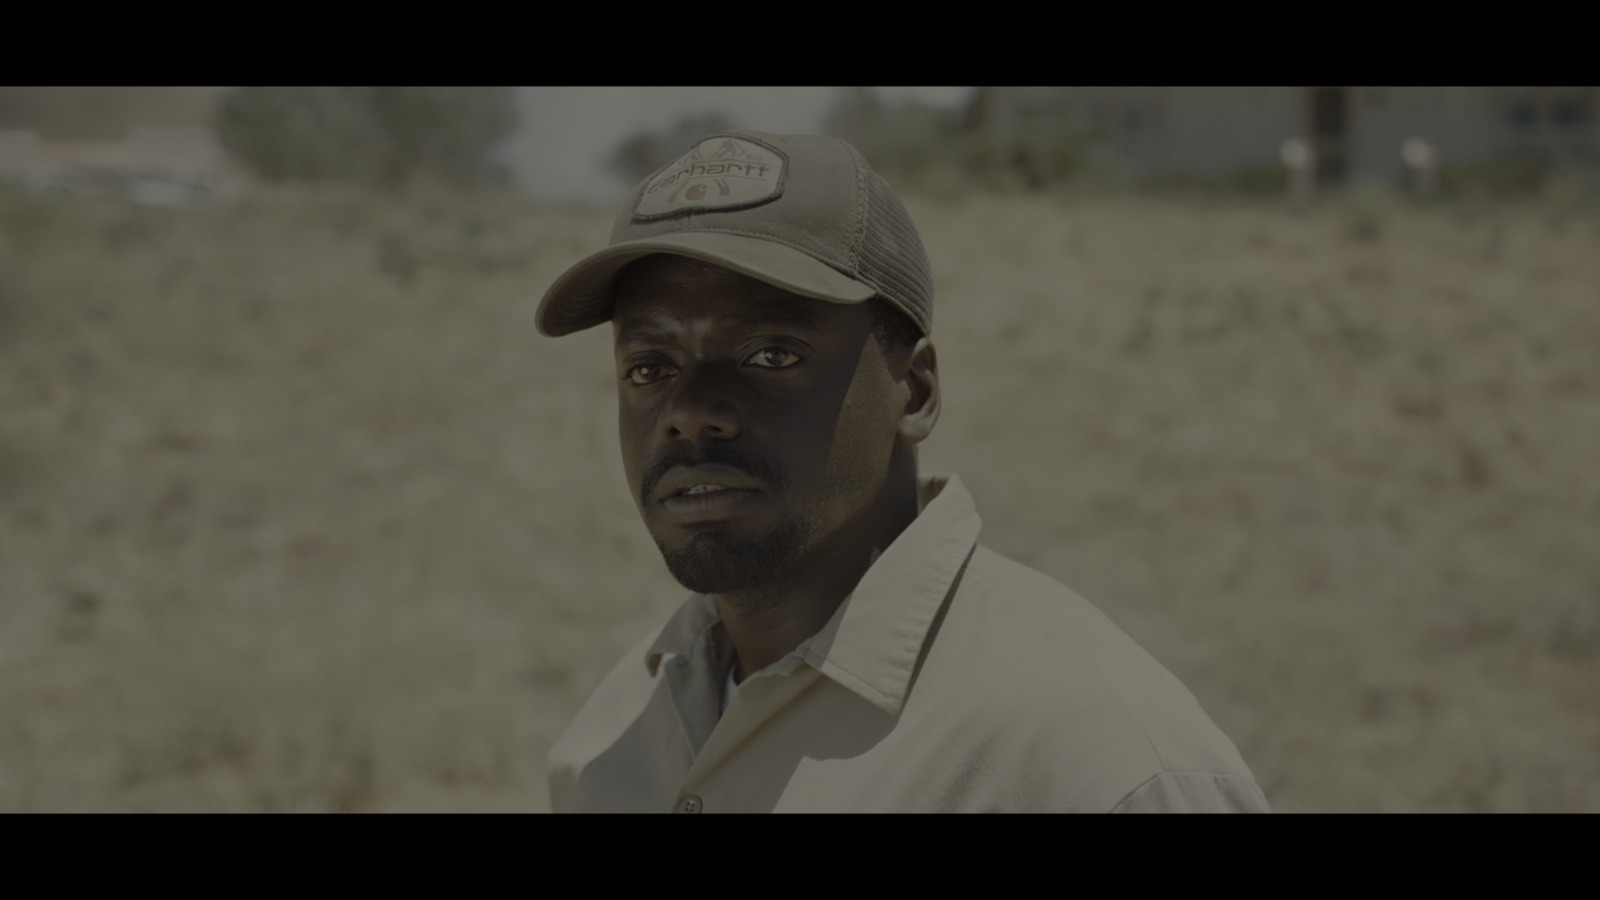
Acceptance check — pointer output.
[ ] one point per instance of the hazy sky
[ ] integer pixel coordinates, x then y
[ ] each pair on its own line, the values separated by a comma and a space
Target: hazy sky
560, 156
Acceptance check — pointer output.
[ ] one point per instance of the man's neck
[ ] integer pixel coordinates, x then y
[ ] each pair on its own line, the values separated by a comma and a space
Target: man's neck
766, 624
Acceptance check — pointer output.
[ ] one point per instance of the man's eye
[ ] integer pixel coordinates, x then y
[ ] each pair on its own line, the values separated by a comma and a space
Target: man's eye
646, 373
772, 358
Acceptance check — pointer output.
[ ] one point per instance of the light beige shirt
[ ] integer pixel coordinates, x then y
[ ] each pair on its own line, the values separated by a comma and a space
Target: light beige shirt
951, 680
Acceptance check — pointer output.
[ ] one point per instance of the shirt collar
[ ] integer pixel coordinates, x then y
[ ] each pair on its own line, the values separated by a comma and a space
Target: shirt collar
872, 643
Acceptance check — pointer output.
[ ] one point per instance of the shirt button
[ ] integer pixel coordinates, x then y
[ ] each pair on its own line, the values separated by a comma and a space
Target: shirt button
689, 804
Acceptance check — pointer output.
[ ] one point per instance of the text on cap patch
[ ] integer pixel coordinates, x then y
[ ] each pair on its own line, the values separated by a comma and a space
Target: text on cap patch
718, 174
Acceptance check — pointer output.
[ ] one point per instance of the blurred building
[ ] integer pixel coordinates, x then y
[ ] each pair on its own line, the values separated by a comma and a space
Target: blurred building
164, 166
1355, 131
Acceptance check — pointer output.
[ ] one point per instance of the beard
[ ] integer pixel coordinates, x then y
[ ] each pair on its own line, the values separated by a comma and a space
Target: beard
715, 562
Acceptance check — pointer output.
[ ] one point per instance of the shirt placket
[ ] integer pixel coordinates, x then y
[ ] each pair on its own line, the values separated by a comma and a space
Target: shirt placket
760, 696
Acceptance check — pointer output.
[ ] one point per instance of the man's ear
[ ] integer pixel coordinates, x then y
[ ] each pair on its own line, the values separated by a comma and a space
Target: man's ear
922, 408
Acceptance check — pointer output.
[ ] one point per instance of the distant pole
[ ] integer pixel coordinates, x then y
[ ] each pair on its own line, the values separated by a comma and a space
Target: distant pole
980, 108
1300, 159
1422, 162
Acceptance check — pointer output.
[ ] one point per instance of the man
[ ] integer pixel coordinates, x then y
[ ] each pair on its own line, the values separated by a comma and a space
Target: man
848, 646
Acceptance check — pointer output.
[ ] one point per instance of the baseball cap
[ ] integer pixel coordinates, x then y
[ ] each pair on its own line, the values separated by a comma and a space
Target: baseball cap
803, 213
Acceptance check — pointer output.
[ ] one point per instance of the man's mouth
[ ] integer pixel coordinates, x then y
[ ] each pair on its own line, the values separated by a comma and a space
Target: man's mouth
704, 503
706, 478
707, 492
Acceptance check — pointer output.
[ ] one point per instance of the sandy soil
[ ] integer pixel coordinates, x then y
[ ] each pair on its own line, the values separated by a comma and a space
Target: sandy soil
298, 511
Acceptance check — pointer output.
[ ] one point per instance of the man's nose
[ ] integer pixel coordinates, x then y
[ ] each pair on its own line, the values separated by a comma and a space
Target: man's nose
701, 407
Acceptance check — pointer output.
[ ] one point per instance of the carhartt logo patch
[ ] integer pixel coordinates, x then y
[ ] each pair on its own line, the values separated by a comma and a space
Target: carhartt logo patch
717, 174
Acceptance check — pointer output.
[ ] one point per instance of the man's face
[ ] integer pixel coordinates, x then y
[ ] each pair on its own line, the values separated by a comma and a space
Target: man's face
757, 426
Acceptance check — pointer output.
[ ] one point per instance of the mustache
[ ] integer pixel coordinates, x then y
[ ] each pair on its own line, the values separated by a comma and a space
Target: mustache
679, 455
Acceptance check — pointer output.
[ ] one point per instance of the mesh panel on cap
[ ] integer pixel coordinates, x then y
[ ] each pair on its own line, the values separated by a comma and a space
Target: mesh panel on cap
892, 259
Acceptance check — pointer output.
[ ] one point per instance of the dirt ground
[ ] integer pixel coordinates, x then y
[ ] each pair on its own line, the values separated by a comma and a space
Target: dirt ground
299, 512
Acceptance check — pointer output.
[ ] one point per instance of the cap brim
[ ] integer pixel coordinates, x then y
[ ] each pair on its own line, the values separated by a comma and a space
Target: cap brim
581, 297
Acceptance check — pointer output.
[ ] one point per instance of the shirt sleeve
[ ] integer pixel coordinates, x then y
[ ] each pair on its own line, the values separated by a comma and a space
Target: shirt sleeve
1195, 792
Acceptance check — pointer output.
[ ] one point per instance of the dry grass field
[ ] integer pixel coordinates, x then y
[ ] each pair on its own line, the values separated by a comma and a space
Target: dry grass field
298, 511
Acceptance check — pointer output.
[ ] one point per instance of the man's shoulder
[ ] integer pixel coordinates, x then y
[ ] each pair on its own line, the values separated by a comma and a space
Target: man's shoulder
1065, 635
1024, 655
1049, 641
606, 713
